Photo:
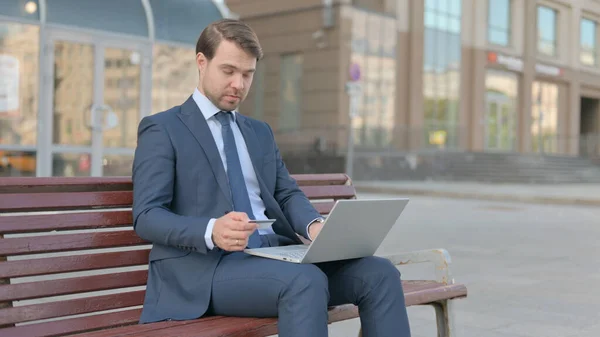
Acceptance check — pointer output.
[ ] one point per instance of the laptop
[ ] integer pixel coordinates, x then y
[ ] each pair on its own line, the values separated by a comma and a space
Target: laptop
354, 229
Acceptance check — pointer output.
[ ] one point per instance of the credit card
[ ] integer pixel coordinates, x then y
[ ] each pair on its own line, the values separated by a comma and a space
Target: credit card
263, 224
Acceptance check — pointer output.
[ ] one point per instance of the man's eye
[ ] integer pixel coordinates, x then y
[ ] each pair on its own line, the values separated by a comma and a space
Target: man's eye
228, 72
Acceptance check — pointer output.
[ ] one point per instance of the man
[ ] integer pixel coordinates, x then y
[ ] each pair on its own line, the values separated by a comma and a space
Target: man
201, 171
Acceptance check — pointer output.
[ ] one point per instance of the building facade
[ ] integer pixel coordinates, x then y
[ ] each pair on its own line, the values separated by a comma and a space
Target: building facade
77, 76
501, 76
508, 76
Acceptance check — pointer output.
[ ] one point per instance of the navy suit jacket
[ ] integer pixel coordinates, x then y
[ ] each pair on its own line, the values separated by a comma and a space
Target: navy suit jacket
179, 184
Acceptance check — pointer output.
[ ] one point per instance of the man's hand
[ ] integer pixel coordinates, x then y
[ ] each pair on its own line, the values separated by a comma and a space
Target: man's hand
314, 229
231, 231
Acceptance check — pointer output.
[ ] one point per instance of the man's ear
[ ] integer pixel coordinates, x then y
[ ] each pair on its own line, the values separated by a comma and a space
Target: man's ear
201, 61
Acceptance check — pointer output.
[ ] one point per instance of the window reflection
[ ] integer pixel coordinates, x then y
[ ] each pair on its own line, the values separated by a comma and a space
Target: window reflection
19, 68
117, 165
441, 75
588, 42
499, 22
73, 72
374, 50
71, 165
122, 95
17, 163
174, 76
544, 117
546, 29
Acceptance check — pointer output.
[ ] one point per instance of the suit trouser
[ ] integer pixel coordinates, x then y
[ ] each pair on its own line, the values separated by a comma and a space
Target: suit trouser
299, 294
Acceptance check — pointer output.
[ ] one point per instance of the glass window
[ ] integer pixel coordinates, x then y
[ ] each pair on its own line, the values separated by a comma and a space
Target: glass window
182, 20
27, 9
544, 117
117, 165
73, 68
118, 16
374, 50
122, 95
588, 42
174, 76
291, 91
499, 22
19, 68
71, 165
546, 28
17, 163
441, 75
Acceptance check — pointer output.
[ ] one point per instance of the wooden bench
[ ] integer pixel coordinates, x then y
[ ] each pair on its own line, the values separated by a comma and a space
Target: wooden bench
71, 263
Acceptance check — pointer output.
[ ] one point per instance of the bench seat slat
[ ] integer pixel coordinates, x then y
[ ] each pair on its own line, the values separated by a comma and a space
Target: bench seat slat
68, 221
141, 329
59, 201
68, 242
75, 285
434, 294
329, 192
250, 327
70, 307
64, 264
232, 326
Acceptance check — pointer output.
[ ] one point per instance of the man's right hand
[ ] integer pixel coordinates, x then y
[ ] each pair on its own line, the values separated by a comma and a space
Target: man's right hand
231, 231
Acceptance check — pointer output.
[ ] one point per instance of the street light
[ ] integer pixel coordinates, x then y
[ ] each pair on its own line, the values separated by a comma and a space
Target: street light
30, 7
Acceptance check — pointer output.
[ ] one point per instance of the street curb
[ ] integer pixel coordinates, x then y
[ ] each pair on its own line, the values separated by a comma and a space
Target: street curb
479, 196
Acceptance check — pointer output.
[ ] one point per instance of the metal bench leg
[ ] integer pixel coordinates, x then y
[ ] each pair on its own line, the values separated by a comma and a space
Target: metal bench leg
445, 319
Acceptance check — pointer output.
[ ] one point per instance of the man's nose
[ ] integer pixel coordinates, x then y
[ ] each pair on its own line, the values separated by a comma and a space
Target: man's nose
238, 82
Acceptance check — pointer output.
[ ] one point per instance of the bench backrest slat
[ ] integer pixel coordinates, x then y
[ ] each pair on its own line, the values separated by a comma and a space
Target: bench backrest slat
75, 285
70, 307
329, 192
65, 264
29, 202
85, 222
59, 243
69, 221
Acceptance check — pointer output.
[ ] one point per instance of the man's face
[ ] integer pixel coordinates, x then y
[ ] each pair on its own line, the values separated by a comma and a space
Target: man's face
225, 80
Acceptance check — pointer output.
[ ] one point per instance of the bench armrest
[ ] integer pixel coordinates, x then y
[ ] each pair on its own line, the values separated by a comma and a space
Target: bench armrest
439, 257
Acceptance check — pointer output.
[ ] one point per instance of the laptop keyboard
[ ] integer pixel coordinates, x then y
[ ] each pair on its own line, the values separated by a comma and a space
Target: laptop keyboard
298, 254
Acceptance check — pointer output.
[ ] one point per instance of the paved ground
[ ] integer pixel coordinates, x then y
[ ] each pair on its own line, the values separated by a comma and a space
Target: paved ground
531, 270
560, 194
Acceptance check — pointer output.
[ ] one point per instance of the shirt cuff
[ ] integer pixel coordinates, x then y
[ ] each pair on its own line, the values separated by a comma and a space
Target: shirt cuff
310, 223
208, 234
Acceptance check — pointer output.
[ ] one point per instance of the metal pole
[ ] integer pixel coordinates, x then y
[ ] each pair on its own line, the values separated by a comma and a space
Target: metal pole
350, 152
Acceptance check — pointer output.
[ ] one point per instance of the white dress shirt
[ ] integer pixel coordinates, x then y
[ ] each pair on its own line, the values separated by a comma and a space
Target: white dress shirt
258, 207
209, 110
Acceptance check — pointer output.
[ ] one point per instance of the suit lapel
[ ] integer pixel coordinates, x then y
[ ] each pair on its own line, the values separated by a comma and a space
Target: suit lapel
282, 226
193, 119
251, 142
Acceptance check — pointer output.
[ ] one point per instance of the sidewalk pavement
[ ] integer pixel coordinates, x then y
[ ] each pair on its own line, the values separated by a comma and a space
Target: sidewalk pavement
559, 194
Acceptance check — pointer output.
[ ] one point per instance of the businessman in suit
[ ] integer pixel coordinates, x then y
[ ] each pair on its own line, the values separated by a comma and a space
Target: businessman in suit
201, 171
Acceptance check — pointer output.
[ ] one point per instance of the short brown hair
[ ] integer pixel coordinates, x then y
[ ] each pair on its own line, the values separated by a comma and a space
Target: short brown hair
230, 30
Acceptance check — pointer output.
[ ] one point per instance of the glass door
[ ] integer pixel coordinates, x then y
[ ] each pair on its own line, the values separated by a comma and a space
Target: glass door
96, 91
499, 123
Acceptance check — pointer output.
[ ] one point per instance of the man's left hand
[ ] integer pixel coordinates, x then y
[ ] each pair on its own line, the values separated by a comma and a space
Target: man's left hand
314, 229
